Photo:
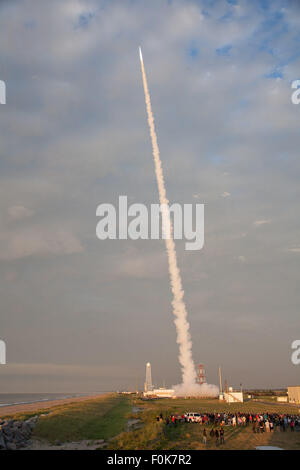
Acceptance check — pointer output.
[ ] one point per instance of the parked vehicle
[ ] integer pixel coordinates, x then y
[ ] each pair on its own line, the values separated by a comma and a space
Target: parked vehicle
192, 417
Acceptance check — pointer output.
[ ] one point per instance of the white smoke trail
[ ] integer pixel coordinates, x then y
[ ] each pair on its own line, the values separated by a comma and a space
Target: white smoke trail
189, 385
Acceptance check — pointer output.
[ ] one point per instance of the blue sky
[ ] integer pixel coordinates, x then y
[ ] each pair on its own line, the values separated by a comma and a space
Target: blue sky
79, 314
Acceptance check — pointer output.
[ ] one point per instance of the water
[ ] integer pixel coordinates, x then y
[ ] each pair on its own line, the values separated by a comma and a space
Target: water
7, 399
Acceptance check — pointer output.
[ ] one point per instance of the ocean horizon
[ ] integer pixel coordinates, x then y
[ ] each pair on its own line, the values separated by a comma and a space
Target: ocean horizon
9, 399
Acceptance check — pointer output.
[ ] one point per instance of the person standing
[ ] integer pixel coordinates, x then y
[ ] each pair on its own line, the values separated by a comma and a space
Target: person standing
267, 426
217, 437
261, 426
292, 425
204, 437
222, 437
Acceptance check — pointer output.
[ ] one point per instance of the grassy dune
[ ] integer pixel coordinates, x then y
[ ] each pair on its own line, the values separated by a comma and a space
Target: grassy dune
100, 418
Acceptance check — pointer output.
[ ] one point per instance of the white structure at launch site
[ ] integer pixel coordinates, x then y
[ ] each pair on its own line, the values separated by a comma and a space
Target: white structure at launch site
149, 390
148, 387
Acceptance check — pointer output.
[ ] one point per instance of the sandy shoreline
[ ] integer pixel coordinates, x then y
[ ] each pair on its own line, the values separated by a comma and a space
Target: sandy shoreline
43, 405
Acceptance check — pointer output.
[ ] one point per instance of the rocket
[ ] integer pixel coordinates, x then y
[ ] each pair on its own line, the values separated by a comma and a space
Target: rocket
140, 51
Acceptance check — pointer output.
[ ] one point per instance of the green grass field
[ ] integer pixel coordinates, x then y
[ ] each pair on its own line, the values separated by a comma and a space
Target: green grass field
181, 405
100, 418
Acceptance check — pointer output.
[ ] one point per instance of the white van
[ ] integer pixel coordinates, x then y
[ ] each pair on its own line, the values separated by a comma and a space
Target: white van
192, 417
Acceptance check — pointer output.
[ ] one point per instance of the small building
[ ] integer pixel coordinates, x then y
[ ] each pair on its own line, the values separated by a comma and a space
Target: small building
282, 399
164, 392
232, 396
161, 393
294, 394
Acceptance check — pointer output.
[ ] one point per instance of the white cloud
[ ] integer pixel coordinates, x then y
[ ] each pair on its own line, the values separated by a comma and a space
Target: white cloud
33, 242
143, 266
294, 249
62, 370
259, 222
19, 212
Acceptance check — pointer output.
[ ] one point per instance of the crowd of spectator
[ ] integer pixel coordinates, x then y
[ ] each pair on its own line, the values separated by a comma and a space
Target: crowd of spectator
260, 422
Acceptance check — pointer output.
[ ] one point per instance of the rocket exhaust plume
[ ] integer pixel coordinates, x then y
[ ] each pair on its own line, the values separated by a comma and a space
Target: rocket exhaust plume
189, 385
